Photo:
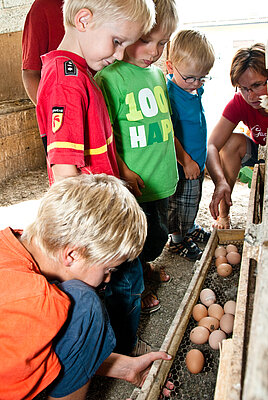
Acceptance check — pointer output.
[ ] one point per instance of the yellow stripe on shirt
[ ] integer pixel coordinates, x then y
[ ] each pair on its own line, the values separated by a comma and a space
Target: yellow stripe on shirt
65, 145
76, 146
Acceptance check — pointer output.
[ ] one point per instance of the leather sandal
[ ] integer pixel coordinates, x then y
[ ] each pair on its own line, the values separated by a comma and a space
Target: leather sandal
149, 309
157, 274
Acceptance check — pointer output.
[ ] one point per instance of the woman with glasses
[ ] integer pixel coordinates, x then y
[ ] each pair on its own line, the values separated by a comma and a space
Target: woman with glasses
229, 151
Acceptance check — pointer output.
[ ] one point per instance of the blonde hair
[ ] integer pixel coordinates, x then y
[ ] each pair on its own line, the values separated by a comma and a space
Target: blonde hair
250, 57
192, 47
95, 213
141, 11
166, 15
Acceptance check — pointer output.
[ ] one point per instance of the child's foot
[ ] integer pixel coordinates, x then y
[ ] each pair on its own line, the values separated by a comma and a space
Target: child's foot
187, 249
199, 235
222, 223
157, 274
149, 302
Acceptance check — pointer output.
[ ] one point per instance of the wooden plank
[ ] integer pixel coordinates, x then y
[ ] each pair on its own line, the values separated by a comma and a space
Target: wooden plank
256, 382
256, 377
223, 376
160, 369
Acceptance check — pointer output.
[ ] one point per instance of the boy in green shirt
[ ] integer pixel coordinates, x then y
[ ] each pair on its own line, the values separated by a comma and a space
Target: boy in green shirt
136, 96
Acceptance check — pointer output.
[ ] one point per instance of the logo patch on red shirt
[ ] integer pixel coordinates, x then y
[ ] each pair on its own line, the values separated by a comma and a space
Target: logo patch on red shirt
57, 118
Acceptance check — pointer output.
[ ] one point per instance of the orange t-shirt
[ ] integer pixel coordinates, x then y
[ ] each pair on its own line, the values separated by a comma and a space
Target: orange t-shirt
32, 313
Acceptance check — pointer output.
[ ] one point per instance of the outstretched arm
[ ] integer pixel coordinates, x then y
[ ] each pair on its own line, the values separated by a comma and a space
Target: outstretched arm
219, 136
131, 369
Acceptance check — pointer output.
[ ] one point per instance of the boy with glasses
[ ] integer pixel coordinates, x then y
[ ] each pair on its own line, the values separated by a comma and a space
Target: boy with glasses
229, 150
190, 59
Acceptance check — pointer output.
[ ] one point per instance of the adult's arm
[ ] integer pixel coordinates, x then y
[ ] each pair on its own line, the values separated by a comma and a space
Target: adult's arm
218, 138
31, 79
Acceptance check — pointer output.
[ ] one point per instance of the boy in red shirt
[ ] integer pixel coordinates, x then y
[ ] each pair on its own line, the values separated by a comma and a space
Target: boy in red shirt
75, 127
54, 331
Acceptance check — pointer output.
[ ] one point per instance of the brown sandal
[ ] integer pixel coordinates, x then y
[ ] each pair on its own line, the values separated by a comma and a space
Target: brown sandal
149, 309
158, 274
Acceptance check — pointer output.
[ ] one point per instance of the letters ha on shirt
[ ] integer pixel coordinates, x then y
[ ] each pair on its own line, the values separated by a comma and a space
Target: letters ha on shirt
149, 103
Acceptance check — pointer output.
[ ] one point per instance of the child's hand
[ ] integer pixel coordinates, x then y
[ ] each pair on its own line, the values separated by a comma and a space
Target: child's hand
191, 170
134, 182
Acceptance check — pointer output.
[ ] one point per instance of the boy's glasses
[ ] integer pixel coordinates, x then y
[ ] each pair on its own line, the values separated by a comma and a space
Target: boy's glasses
255, 88
192, 79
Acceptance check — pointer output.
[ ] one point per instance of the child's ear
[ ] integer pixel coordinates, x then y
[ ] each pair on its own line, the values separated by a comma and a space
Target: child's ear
170, 67
70, 255
82, 19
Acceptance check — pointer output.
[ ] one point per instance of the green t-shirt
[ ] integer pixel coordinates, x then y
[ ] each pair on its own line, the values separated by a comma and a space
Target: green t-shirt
139, 110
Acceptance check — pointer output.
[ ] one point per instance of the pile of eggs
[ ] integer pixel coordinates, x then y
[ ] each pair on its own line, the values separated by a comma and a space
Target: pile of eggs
225, 258
214, 324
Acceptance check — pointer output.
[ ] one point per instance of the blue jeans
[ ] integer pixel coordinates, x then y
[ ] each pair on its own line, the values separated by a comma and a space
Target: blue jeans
156, 213
123, 303
85, 340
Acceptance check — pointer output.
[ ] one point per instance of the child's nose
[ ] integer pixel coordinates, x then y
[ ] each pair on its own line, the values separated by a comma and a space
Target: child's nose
119, 54
153, 50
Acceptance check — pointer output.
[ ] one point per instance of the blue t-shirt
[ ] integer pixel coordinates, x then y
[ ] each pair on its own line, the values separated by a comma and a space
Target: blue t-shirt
189, 122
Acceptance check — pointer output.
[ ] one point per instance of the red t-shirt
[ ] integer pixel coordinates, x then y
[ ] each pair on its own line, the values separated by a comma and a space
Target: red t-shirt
43, 31
239, 110
32, 313
72, 115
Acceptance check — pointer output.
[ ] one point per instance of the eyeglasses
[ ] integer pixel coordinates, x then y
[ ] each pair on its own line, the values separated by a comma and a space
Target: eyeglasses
256, 87
192, 79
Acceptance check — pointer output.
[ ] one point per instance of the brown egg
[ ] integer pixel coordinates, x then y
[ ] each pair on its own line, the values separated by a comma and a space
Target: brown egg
216, 311
199, 335
210, 323
227, 323
224, 270
233, 258
229, 307
207, 297
199, 312
195, 361
220, 260
215, 338
220, 251
231, 247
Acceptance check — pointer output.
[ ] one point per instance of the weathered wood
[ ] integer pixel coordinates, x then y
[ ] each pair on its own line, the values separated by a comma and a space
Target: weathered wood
256, 377
223, 376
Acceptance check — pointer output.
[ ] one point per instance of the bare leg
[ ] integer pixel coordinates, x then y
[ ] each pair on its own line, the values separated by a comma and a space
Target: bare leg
79, 394
231, 155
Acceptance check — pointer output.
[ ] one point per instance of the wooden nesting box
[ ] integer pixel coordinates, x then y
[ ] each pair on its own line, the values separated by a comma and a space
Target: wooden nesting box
242, 363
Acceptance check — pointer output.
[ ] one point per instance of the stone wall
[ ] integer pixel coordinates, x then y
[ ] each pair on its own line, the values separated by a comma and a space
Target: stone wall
21, 148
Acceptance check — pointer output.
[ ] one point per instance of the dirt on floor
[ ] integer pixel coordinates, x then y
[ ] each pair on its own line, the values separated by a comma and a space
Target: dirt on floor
153, 328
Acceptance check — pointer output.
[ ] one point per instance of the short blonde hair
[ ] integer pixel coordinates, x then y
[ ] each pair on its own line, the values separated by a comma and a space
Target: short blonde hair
141, 11
166, 15
192, 47
95, 213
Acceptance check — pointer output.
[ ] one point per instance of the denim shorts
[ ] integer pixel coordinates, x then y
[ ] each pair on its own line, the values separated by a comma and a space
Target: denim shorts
85, 340
251, 156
